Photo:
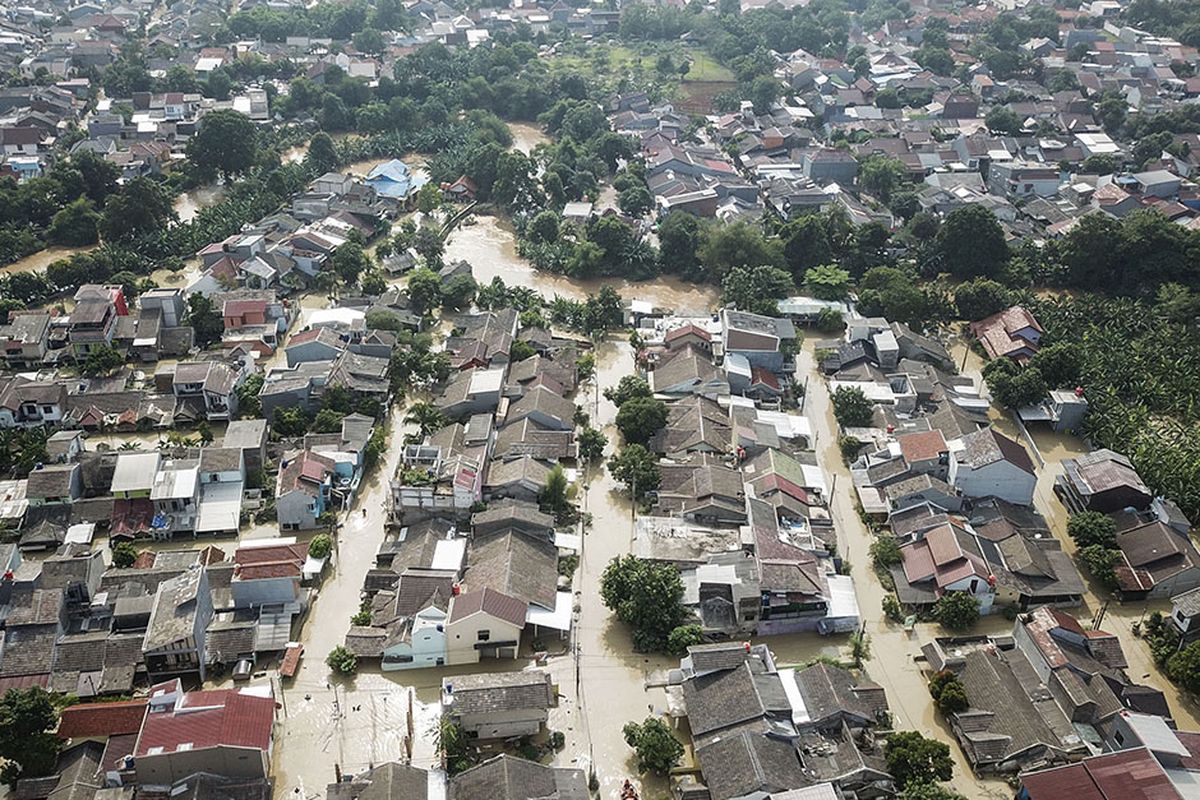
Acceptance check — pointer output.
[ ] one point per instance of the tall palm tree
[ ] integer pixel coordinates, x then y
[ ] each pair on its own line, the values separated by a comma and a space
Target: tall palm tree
425, 417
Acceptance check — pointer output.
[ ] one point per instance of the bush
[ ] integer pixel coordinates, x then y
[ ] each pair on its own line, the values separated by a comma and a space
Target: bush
683, 637
956, 611
558, 740
849, 446
885, 552
948, 693
892, 609
320, 546
342, 661
1100, 562
123, 555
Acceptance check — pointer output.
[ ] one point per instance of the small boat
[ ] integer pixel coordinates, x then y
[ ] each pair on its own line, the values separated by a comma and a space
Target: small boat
910, 623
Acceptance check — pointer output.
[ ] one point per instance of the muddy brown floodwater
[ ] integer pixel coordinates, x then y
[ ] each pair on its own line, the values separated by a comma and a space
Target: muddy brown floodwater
189, 204
490, 246
37, 262
526, 136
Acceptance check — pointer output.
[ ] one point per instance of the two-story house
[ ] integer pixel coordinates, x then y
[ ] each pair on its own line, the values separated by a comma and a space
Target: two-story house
209, 385
174, 643
176, 497
304, 490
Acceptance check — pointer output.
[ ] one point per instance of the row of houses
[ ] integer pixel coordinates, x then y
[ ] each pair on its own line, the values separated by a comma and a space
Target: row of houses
472, 562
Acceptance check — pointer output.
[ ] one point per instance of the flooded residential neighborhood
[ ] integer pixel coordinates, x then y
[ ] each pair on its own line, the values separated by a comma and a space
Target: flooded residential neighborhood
543, 401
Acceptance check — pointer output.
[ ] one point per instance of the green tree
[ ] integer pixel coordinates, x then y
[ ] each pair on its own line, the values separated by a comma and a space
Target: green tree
77, 225
206, 319
349, 261
922, 790
426, 418
639, 418
1101, 562
738, 244
124, 554
1184, 667
913, 759
971, 243
459, 292
1060, 364
806, 244
141, 207
629, 387
636, 201
645, 595
225, 143
852, 408
289, 421
102, 360
756, 289
429, 246
656, 747
249, 406
764, 91
322, 154
637, 468
981, 298
881, 175
956, 611
1088, 528
373, 282
1002, 119
827, 282
99, 176
1017, 388
591, 444
553, 498
543, 228
27, 744
342, 661
429, 197
424, 290
885, 551
679, 238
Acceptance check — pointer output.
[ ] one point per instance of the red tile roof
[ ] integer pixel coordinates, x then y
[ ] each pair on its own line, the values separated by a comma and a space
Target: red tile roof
923, 446
220, 718
101, 719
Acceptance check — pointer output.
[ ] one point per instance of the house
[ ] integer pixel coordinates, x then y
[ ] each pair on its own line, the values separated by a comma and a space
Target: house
687, 371
1101, 480
209, 386
304, 490
499, 705
763, 341
481, 623
133, 475
522, 478
946, 558
175, 495
315, 344
393, 179
1012, 721
1185, 614
268, 572
544, 407
1013, 332
471, 391
1157, 561
25, 339
25, 403
54, 484
1133, 774
175, 633
223, 732
250, 437
989, 464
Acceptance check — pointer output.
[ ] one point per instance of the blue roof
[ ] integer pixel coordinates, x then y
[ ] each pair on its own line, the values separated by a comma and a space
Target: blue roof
394, 179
